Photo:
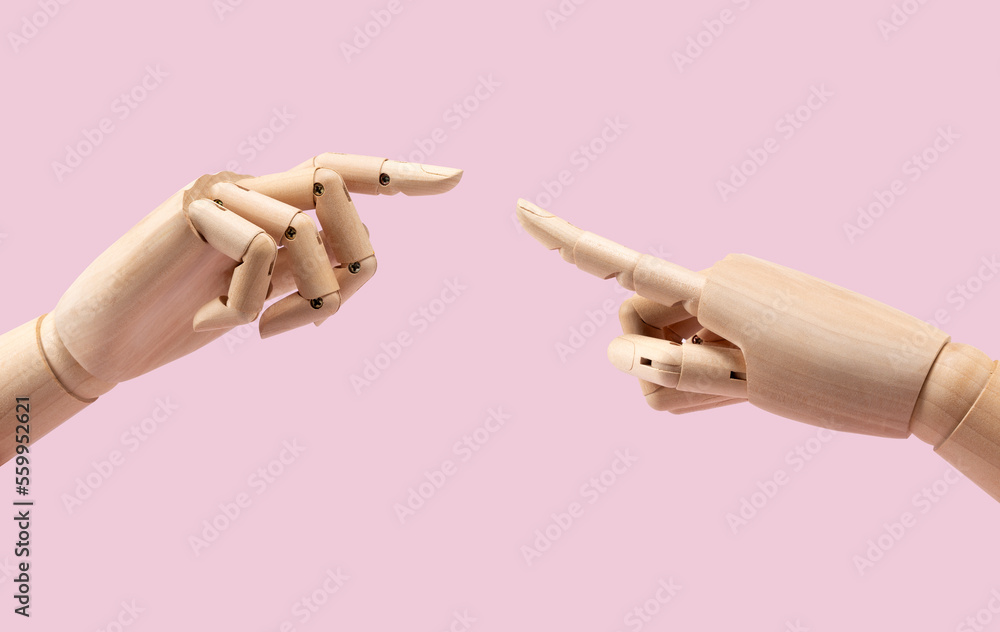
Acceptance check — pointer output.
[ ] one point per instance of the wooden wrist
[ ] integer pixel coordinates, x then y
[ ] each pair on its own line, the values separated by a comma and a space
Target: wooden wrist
954, 383
39, 381
72, 377
958, 412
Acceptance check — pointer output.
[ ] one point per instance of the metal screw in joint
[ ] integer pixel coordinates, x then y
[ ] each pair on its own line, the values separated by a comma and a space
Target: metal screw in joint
696, 339
290, 233
219, 202
318, 189
316, 303
354, 268
384, 179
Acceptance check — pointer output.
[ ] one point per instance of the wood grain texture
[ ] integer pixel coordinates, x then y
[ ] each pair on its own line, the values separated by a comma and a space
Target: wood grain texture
953, 385
201, 263
345, 235
819, 353
808, 350
27, 374
974, 446
131, 310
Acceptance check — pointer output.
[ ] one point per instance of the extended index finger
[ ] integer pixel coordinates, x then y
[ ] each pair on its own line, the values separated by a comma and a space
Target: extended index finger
326, 182
362, 174
648, 276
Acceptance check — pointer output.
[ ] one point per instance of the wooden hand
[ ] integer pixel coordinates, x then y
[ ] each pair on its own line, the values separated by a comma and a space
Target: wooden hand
791, 344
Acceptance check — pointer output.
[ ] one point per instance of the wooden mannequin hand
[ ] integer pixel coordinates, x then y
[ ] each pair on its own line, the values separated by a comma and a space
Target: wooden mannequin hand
195, 268
750, 330
200, 264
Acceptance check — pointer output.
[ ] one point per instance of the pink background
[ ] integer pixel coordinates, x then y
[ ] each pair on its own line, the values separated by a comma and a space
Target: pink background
654, 188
